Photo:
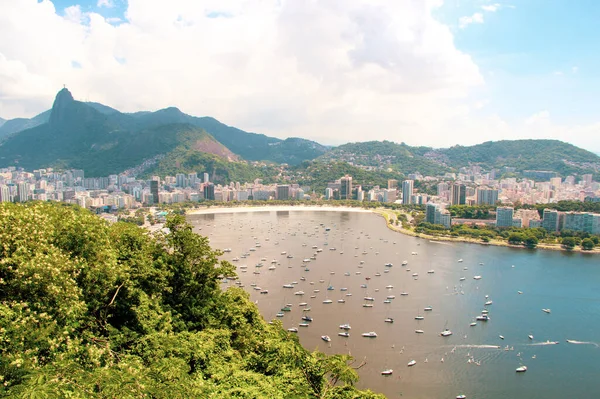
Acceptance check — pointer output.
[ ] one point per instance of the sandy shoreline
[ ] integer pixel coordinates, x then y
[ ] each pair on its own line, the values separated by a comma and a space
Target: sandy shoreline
283, 208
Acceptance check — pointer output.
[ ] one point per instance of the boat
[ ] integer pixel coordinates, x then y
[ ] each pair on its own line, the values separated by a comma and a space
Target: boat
461, 397
488, 303
300, 293
388, 265
341, 301
307, 318
419, 331
461, 279
476, 277
412, 363
391, 297
446, 333
428, 309
370, 334
293, 330
404, 293
347, 274
431, 271
483, 317
330, 288
280, 314
303, 325
521, 369
264, 291
377, 274
531, 337
325, 338
302, 304
345, 326
369, 298
419, 317
389, 320
367, 305
460, 260
404, 262
272, 268
387, 372
286, 309
344, 334
288, 286
306, 260
306, 309
473, 324
501, 336
546, 310
415, 274
327, 301
289, 256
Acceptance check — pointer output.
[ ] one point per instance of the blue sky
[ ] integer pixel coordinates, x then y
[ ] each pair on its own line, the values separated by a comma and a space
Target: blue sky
426, 72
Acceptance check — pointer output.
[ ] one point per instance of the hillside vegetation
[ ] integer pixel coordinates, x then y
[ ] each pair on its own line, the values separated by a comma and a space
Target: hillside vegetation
91, 310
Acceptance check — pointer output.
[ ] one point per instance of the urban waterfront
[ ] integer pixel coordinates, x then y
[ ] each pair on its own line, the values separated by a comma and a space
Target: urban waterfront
353, 246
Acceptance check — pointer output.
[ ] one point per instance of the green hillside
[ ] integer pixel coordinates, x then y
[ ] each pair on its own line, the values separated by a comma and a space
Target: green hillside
18, 124
92, 310
386, 154
524, 155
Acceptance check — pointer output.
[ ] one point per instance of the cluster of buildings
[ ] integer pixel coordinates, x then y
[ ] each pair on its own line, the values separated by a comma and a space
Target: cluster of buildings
552, 220
125, 191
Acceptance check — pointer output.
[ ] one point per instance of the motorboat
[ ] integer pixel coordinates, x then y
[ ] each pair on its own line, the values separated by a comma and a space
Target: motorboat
412, 363
389, 320
369, 298
288, 286
264, 292
461, 279
387, 372
303, 325
473, 324
419, 317
460, 260
345, 326
483, 317
280, 314
307, 318
343, 289
546, 310
404, 293
387, 301
300, 293
404, 262
344, 334
302, 304
293, 330
367, 305
370, 334
389, 287
326, 338
341, 301
461, 397
419, 331
476, 277
531, 337
391, 297
428, 309
501, 336
488, 303
388, 265
521, 369
327, 301
446, 333
430, 271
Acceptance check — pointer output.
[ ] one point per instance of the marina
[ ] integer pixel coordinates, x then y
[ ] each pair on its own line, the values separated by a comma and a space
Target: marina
456, 347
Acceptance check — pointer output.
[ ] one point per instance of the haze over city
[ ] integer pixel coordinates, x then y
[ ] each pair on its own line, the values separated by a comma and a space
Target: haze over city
426, 72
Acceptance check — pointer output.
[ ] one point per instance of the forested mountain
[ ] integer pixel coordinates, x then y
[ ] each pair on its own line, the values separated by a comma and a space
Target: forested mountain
92, 310
523, 155
84, 135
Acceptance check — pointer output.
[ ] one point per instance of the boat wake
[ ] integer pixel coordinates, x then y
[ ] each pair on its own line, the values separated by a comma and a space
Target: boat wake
574, 342
478, 346
544, 343
439, 242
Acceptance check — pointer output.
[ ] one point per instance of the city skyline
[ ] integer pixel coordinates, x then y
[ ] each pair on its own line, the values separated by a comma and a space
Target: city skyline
477, 70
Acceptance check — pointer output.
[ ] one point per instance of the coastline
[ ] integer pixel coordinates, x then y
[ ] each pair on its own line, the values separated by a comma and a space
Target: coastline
389, 216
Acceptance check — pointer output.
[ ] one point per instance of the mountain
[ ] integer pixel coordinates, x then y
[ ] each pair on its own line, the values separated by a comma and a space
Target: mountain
78, 134
523, 155
18, 124
386, 155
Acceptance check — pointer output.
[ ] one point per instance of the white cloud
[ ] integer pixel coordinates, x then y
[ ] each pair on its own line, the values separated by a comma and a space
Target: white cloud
491, 7
105, 3
335, 71
575, 69
476, 18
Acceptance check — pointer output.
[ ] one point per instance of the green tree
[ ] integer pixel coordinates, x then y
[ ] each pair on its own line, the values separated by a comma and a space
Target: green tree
568, 243
587, 244
531, 242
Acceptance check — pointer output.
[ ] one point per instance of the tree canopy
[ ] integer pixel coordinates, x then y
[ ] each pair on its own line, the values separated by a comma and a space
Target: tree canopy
92, 310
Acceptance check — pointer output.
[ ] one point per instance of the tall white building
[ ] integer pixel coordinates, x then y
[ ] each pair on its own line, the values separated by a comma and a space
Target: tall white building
407, 191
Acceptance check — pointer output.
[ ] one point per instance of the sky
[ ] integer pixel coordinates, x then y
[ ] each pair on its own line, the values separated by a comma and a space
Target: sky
425, 72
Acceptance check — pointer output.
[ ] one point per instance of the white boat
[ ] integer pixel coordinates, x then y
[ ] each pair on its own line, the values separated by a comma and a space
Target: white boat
389, 320
264, 292
461, 279
387, 372
546, 310
521, 369
460, 260
488, 303
389, 287
473, 324
461, 397
476, 277
412, 363
306, 260
428, 309
370, 334
391, 296
303, 325
431, 271
369, 298
302, 304
293, 330
284, 253
404, 262
325, 338
344, 334
483, 317
446, 333
272, 268
419, 317
501, 336
327, 301
419, 331
367, 305
345, 326
288, 286
404, 293
388, 265
300, 293
341, 301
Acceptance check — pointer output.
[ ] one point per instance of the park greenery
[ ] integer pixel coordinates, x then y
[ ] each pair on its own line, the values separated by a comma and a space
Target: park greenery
96, 310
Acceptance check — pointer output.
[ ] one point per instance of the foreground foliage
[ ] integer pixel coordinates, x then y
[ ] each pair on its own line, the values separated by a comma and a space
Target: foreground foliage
91, 310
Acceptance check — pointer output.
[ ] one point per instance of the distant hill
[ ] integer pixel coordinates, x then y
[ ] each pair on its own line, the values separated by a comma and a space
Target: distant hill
18, 124
552, 155
387, 155
102, 140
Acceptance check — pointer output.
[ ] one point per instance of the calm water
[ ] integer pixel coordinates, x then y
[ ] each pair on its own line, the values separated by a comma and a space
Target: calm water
476, 361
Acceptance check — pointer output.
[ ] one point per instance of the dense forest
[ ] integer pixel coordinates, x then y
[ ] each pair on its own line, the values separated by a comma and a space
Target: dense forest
92, 310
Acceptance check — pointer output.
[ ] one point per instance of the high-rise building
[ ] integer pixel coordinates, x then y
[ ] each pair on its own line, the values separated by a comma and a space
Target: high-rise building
487, 196
392, 184
389, 195
283, 192
550, 220
504, 216
205, 177
180, 180
346, 188
459, 194
4, 193
430, 210
154, 191
442, 188
22, 192
407, 191
209, 192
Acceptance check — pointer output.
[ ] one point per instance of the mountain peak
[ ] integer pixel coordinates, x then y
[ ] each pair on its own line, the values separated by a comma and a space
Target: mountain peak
63, 100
